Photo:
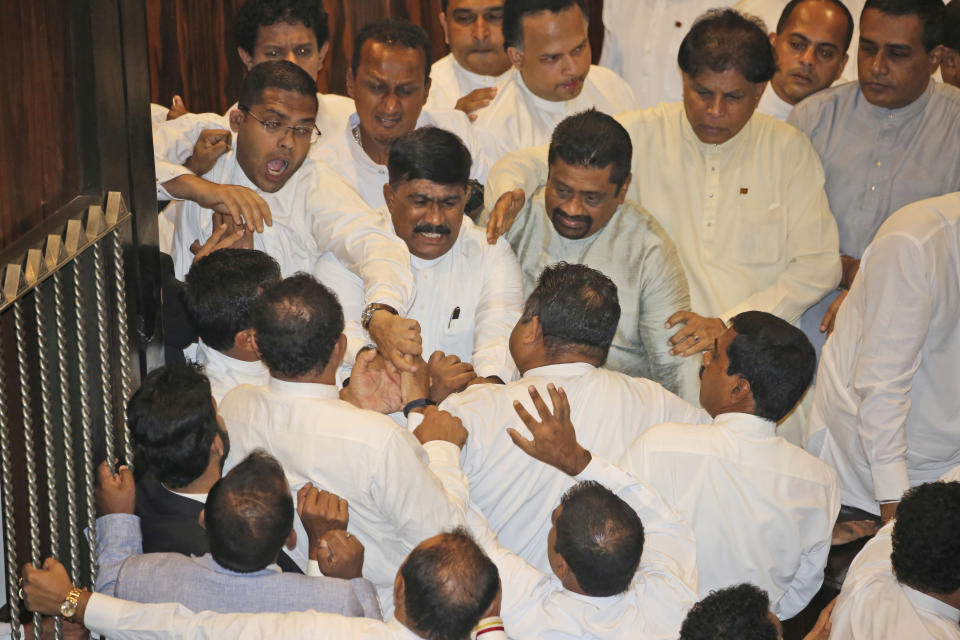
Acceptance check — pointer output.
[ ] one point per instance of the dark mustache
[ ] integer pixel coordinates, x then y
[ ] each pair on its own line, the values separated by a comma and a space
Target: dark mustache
425, 227
557, 211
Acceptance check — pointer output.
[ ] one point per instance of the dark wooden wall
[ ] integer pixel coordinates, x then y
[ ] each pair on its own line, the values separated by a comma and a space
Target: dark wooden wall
193, 54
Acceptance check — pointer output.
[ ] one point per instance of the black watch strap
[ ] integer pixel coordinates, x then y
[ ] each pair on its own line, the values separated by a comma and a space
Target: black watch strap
417, 404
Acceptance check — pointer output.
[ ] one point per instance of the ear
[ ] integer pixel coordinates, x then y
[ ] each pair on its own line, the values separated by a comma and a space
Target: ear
388, 195
399, 593
291, 542
350, 81
741, 393
216, 447
202, 518
253, 343
236, 119
244, 340
443, 26
516, 56
324, 50
339, 350
533, 332
623, 189
933, 59
843, 65
246, 58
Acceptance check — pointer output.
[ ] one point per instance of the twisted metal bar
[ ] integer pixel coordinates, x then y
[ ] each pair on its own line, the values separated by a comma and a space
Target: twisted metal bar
103, 336
86, 426
33, 506
66, 422
9, 526
126, 384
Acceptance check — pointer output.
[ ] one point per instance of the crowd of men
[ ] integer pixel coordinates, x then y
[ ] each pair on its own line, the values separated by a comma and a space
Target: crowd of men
508, 344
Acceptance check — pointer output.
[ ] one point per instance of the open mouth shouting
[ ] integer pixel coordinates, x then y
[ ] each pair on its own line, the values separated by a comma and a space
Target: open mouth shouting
276, 169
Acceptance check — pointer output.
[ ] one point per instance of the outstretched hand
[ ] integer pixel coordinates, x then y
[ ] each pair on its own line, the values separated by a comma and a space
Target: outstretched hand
554, 438
504, 213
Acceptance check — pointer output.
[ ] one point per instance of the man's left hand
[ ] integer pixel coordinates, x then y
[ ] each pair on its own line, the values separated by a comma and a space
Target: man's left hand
321, 512
44, 590
115, 493
448, 374
830, 317
554, 439
374, 383
697, 334
850, 267
340, 555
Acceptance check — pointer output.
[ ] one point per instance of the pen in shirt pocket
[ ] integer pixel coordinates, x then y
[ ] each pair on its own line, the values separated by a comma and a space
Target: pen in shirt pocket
453, 316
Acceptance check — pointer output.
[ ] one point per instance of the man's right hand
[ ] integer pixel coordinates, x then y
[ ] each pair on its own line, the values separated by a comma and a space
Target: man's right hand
554, 439
476, 99
374, 384
396, 337
177, 108
320, 512
340, 555
44, 590
244, 205
115, 493
504, 213
224, 236
211, 144
448, 374
440, 425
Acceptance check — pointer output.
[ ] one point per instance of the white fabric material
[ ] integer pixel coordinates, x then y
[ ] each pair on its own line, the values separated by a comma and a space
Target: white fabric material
342, 152
773, 105
874, 606
396, 489
483, 281
450, 81
516, 492
535, 604
761, 508
225, 372
517, 118
886, 412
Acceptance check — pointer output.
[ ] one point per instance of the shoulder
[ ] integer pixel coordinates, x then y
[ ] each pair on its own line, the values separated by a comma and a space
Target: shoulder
674, 435
824, 103
474, 246
920, 220
606, 78
450, 119
641, 122
442, 67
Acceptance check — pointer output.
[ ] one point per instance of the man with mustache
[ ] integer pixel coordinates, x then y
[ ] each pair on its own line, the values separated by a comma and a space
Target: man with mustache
581, 215
547, 43
469, 293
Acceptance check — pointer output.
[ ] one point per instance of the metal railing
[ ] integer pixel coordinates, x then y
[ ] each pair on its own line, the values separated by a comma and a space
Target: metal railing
65, 378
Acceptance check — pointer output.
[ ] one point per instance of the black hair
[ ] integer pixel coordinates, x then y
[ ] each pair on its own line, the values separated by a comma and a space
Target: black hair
926, 547
951, 25
788, 11
448, 586
600, 537
393, 33
930, 12
275, 74
593, 140
297, 322
254, 14
173, 422
514, 12
775, 357
739, 612
430, 154
577, 308
249, 514
219, 290
724, 39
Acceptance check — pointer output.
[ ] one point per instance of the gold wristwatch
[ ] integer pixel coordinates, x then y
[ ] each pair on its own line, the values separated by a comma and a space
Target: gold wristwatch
69, 606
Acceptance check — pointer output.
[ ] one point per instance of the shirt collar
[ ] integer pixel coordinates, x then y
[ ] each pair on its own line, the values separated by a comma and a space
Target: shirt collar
476, 78
562, 370
207, 356
423, 263
747, 424
196, 497
539, 103
207, 561
915, 108
395, 625
939, 608
303, 389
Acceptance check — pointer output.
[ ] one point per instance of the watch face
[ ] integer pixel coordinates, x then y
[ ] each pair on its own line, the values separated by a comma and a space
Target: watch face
68, 608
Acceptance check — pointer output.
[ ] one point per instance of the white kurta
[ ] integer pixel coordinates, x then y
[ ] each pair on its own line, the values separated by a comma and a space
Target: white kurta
517, 118
874, 606
392, 484
761, 508
225, 372
516, 492
536, 606
886, 412
467, 301
450, 81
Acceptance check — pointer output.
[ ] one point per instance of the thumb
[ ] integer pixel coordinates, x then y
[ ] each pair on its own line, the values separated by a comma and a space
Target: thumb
525, 445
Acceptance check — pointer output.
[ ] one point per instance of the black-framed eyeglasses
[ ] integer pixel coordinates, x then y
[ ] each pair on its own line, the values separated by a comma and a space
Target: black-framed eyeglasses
275, 128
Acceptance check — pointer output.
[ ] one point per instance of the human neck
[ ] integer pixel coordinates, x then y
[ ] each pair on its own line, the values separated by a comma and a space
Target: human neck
564, 357
376, 151
205, 482
242, 354
327, 375
951, 599
780, 94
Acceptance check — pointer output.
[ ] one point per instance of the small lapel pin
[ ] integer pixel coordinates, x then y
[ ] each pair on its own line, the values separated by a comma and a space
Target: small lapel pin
743, 191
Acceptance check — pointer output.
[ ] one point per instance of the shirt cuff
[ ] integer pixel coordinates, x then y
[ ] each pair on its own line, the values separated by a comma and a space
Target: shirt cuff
414, 420
167, 171
489, 629
102, 614
443, 451
889, 480
313, 569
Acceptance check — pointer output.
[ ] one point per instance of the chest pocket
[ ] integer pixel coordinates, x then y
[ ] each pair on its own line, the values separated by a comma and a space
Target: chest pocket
759, 234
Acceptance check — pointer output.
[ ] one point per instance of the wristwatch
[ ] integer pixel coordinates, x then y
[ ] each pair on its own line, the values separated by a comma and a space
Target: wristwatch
369, 310
69, 606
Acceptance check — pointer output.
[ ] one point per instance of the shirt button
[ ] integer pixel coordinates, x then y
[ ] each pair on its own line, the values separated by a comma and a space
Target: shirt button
879, 164
709, 195
873, 188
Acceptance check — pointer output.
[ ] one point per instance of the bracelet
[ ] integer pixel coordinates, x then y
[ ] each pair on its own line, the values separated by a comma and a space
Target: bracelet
493, 623
417, 404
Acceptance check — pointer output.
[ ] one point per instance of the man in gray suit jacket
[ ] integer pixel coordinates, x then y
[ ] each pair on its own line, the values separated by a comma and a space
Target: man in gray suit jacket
248, 517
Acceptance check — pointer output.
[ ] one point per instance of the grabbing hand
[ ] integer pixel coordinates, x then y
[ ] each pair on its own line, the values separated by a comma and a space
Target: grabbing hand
821, 630
44, 590
211, 144
114, 493
504, 213
374, 383
396, 337
554, 439
177, 108
320, 512
224, 236
340, 555
447, 375
440, 425
698, 333
476, 99
830, 317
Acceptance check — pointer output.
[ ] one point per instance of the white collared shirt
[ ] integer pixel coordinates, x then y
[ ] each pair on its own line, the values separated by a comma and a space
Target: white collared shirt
518, 119
392, 484
773, 105
450, 81
315, 211
536, 605
516, 492
225, 372
886, 412
342, 152
467, 301
873, 605
761, 508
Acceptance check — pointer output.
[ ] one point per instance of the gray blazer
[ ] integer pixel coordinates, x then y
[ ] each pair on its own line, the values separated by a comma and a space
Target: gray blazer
200, 584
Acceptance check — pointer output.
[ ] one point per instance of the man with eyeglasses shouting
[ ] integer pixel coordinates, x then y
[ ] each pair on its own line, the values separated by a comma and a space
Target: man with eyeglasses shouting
290, 206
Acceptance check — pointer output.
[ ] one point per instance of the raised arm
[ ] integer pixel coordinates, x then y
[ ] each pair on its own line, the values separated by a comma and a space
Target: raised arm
118, 530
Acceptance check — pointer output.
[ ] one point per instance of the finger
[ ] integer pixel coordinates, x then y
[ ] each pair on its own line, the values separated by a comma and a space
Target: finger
104, 474
540, 405
48, 564
343, 510
688, 331
195, 247
302, 498
460, 381
365, 358
679, 316
472, 117
410, 347
561, 408
525, 445
435, 358
529, 420
694, 348
451, 360
125, 476
402, 363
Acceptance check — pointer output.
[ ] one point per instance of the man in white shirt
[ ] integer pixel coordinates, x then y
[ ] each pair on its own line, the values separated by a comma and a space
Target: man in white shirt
467, 77
905, 583
762, 509
468, 293
389, 80
217, 295
950, 49
885, 411
547, 44
562, 338
388, 479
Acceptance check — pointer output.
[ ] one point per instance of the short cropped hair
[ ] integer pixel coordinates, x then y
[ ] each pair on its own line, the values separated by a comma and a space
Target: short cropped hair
724, 39
775, 357
577, 308
514, 11
448, 586
275, 74
173, 422
926, 547
735, 613
394, 33
788, 11
951, 25
593, 140
219, 290
930, 12
254, 14
600, 537
297, 322
430, 154
249, 514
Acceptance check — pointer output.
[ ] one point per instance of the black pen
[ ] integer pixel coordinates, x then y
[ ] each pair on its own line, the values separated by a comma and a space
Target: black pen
453, 316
